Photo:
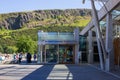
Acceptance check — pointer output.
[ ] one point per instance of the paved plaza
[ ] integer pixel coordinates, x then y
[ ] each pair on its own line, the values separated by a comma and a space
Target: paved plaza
53, 72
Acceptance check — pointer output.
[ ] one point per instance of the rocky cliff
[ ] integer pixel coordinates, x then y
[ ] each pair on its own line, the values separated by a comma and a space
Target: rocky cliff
43, 18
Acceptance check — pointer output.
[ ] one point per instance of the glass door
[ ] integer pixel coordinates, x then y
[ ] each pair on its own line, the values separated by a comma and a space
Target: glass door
51, 54
66, 54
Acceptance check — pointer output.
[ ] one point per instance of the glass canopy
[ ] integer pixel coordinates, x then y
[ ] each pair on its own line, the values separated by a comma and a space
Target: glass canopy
55, 36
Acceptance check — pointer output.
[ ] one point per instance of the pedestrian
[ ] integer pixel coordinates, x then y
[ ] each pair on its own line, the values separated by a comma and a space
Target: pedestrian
17, 58
20, 57
14, 58
28, 58
34, 56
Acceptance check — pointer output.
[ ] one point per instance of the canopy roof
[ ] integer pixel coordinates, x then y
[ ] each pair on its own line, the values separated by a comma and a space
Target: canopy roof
110, 6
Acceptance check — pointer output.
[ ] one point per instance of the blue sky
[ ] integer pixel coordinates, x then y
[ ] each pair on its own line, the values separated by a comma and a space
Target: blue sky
8, 6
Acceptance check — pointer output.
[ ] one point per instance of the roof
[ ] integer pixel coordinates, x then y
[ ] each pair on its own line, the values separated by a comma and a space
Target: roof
109, 6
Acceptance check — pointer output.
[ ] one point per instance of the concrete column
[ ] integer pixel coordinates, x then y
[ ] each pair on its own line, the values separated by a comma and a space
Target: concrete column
109, 64
45, 54
39, 59
38, 55
76, 54
90, 46
76, 36
41, 54
58, 53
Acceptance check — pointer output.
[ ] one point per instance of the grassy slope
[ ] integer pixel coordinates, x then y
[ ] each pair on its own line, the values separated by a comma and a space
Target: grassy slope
9, 37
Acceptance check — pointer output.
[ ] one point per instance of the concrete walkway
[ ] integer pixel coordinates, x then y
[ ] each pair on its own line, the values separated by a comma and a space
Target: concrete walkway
53, 72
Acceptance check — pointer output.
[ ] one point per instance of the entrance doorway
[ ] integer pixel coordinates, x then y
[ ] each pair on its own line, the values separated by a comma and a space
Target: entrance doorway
66, 54
51, 53
63, 54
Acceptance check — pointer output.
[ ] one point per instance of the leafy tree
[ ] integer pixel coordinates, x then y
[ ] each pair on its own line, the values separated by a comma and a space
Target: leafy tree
26, 44
9, 50
4, 48
1, 49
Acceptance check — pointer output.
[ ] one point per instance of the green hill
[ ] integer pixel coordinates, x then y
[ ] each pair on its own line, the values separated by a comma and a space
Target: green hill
13, 26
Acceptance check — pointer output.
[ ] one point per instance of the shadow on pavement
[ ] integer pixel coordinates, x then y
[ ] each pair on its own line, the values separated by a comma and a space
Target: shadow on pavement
40, 74
85, 72
24, 62
75, 71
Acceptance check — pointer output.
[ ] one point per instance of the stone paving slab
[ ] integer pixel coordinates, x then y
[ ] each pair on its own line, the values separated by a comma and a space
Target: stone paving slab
53, 72
60, 72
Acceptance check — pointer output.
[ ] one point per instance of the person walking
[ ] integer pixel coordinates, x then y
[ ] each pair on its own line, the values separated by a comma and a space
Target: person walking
29, 58
20, 57
34, 56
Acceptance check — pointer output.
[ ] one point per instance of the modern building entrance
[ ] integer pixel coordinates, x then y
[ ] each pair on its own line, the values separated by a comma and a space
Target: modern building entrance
51, 54
63, 54
56, 47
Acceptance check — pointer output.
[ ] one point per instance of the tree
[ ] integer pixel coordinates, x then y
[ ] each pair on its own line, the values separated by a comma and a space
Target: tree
1, 49
26, 44
11, 49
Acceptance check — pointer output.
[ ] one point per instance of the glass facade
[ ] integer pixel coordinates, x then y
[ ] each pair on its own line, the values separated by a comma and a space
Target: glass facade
83, 48
51, 53
55, 36
116, 35
66, 54
58, 47
59, 54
